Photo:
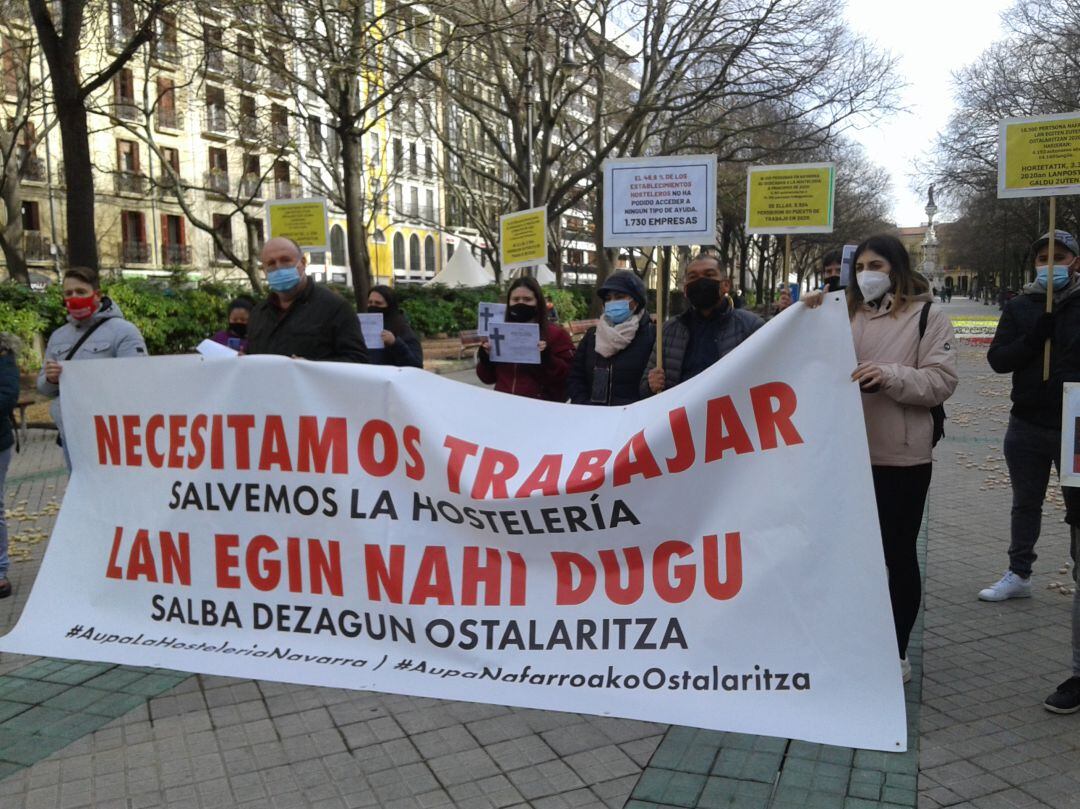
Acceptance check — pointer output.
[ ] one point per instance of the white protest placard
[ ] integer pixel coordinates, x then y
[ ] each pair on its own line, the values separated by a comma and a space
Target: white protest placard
488, 314
515, 342
847, 263
210, 348
660, 200
387, 529
371, 326
1069, 470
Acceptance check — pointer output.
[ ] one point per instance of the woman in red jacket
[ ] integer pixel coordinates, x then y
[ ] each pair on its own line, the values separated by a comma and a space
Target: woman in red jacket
525, 304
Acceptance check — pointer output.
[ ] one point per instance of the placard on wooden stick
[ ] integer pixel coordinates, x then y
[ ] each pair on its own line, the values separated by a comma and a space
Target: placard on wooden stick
1040, 157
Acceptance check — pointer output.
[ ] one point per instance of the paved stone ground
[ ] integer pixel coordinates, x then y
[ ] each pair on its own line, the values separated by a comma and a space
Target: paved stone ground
79, 735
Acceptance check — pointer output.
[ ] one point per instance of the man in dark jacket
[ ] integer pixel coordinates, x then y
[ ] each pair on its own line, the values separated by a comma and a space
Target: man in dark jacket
612, 356
703, 334
300, 318
1033, 438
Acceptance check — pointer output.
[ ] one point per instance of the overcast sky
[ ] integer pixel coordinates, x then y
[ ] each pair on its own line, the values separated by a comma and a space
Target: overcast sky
932, 38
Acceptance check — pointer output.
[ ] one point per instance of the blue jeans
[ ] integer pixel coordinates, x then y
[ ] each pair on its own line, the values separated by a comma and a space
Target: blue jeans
1030, 451
5, 461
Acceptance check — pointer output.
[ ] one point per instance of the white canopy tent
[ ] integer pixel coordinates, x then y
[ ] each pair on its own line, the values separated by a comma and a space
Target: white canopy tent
541, 273
463, 270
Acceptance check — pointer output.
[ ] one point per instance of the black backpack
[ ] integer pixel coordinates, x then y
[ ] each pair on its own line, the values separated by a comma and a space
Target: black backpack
937, 412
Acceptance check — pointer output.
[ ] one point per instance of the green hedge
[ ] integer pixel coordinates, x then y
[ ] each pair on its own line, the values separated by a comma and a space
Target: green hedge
175, 317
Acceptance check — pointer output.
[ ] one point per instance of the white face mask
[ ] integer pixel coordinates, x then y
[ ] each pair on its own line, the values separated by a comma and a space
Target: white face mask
873, 284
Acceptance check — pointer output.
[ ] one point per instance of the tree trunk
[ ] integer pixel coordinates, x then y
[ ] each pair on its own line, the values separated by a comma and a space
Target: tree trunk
82, 246
355, 228
12, 234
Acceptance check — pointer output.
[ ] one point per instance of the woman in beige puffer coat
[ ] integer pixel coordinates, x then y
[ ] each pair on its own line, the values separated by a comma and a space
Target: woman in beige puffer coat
902, 374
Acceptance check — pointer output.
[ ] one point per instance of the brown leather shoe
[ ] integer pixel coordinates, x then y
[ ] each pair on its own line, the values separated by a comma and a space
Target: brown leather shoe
5, 588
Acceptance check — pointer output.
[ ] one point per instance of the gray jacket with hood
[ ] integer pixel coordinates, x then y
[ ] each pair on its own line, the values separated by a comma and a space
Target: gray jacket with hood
115, 337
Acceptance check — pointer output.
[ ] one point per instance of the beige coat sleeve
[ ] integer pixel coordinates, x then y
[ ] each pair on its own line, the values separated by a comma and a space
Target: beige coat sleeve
936, 377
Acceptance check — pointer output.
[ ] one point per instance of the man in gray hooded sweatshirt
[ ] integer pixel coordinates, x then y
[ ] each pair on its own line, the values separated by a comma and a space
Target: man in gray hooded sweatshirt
95, 330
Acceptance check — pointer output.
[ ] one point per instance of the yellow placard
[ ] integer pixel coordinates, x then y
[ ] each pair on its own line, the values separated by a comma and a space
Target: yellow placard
523, 238
1039, 156
790, 199
302, 220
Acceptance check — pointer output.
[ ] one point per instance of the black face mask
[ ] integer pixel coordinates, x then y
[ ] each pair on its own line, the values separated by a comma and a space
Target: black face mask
832, 283
521, 313
239, 329
374, 307
704, 293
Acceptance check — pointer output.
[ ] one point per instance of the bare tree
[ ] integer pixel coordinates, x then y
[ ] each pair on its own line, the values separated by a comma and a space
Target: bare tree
129, 24
649, 76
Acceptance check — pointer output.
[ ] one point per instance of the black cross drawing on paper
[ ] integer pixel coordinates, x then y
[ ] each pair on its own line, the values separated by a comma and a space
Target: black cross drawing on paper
486, 314
496, 337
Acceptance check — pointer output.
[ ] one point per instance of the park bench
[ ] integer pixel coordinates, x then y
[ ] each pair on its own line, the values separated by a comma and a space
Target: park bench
470, 339
20, 424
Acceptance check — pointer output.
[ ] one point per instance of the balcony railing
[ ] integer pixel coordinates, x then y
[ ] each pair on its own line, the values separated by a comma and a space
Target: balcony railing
120, 35
177, 254
217, 120
248, 71
33, 168
135, 252
251, 187
216, 181
248, 129
126, 109
277, 82
169, 118
165, 51
220, 250
284, 189
128, 182
36, 247
215, 60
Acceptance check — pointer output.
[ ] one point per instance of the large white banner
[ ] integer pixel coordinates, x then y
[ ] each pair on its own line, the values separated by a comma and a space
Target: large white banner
708, 557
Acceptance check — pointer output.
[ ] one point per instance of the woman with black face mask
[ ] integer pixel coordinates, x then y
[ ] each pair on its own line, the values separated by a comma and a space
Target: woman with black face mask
525, 303
235, 336
401, 346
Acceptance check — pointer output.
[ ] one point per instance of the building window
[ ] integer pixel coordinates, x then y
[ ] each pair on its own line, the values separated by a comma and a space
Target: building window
223, 231
337, 246
399, 155
399, 252
414, 160
316, 141
217, 178
165, 109
429, 255
279, 125
414, 254
164, 44
124, 95
31, 216
429, 206
248, 122
216, 116
414, 201
134, 249
175, 250
282, 180
213, 41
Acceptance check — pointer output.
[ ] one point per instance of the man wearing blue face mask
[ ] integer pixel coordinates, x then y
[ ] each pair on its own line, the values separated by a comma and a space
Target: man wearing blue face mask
300, 318
1033, 439
612, 356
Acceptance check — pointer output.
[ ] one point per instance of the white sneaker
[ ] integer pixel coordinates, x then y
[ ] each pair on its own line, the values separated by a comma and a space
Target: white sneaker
1009, 586
905, 669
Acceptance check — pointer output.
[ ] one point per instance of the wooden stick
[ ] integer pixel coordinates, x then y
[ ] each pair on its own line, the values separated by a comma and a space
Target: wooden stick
661, 294
787, 258
1050, 281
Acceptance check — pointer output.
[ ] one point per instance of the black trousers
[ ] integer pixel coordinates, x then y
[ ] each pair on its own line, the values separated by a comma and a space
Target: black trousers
901, 498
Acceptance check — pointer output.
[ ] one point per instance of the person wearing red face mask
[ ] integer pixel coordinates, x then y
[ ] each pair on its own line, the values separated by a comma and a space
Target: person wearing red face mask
95, 330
